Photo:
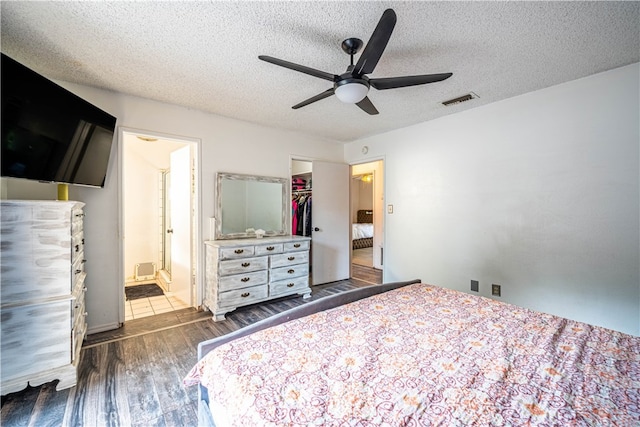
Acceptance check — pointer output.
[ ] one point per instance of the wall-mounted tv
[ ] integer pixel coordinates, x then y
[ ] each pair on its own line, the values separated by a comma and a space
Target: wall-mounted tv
50, 134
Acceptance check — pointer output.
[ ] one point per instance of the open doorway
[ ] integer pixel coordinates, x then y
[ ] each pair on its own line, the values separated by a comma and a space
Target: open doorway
367, 217
159, 224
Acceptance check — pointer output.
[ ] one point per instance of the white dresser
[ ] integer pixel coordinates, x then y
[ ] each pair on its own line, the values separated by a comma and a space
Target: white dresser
246, 271
42, 293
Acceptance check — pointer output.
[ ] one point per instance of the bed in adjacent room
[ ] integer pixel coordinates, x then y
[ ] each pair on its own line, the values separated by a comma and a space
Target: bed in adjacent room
408, 354
362, 231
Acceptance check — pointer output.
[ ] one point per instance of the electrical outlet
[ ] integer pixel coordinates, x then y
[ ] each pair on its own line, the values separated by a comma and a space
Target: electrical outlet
495, 290
475, 286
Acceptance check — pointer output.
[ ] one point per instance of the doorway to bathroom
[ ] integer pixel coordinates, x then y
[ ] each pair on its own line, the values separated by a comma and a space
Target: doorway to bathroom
159, 224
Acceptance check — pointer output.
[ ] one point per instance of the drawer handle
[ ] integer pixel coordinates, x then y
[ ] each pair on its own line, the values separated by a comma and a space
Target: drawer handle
290, 285
245, 279
270, 248
246, 294
246, 264
291, 258
77, 248
291, 271
296, 245
78, 271
83, 241
239, 251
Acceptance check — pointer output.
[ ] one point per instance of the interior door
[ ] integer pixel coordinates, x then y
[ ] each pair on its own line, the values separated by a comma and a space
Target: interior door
330, 222
166, 218
180, 194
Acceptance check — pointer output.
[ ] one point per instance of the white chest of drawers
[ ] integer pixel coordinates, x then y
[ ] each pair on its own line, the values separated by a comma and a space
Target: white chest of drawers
246, 271
42, 293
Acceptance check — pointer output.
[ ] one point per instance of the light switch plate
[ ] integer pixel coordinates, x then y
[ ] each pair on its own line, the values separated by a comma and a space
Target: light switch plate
390, 209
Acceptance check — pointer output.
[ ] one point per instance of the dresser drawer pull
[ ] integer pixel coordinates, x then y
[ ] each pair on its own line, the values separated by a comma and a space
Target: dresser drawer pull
79, 215
246, 264
77, 248
296, 245
291, 271
245, 279
78, 271
270, 248
291, 258
246, 294
239, 251
290, 285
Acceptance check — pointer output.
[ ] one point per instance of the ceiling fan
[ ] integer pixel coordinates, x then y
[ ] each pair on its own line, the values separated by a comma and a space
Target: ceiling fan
352, 86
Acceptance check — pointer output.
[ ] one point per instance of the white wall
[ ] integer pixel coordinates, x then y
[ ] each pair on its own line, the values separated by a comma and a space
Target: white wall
538, 193
141, 201
227, 146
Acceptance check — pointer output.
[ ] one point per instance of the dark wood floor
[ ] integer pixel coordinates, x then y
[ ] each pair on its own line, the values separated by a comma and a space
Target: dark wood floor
134, 377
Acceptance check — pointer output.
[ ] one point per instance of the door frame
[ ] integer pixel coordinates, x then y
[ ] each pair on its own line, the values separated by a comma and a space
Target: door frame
197, 253
383, 203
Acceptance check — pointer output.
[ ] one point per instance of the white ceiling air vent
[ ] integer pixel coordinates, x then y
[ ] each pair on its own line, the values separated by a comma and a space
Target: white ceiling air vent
460, 99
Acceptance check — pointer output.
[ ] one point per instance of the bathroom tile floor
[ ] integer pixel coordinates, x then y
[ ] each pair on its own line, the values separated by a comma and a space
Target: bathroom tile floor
144, 307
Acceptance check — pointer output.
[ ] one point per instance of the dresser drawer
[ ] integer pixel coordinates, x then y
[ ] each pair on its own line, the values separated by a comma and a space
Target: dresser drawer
284, 287
269, 249
77, 216
285, 273
245, 265
78, 311
296, 246
239, 281
240, 297
77, 246
235, 253
291, 258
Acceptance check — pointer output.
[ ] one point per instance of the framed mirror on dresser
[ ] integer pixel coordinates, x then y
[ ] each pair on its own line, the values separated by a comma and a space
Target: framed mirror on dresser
246, 203
244, 267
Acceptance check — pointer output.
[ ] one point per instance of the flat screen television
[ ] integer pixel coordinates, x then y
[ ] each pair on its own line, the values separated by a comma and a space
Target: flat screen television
50, 134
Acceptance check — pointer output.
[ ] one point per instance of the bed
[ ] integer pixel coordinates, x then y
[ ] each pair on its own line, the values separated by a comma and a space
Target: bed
408, 354
362, 231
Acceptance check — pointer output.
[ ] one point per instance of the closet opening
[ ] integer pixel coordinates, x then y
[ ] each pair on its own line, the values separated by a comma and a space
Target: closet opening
367, 218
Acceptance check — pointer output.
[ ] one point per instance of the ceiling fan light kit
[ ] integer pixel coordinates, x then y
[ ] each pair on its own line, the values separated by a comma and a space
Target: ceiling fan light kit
351, 92
353, 86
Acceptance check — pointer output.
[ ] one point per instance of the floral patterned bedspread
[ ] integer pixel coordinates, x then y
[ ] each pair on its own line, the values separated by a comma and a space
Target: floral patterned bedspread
424, 355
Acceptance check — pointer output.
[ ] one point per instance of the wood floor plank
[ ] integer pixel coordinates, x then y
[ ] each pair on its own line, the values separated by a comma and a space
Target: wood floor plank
49, 408
168, 381
17, 407
143, 398
115, 404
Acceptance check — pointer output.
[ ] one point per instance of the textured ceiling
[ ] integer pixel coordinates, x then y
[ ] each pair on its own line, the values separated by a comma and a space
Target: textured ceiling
204, 55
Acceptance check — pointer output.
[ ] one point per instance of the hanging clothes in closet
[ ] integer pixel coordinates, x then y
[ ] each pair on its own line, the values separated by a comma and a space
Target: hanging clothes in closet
301, 214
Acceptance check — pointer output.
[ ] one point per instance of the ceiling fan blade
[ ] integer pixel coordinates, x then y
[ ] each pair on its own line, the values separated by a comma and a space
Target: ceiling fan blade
367, 106
395, 82
327, 93
300, 68
376, 44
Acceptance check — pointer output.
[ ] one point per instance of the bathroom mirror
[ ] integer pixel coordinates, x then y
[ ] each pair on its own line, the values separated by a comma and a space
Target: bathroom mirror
245, 203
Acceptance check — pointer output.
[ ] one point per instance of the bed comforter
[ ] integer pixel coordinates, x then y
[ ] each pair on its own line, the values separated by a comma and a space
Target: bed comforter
424, 355
361, 231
